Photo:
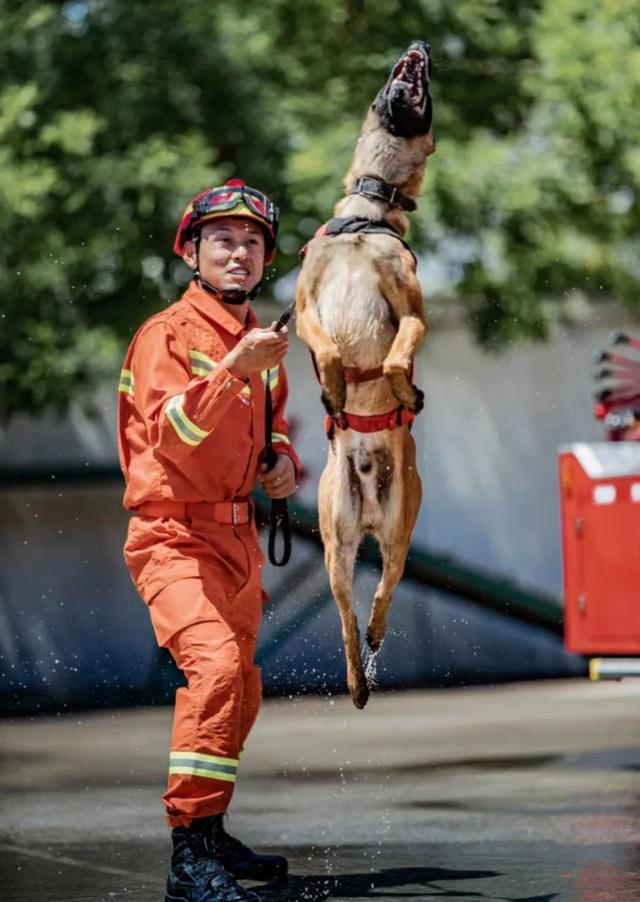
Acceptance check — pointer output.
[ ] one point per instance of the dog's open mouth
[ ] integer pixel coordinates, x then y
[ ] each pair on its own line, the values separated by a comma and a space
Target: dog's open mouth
404, 104
410, 75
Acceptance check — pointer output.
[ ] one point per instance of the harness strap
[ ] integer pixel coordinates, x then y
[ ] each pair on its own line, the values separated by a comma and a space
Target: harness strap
350, 225
353, 374
355, 225
376, 422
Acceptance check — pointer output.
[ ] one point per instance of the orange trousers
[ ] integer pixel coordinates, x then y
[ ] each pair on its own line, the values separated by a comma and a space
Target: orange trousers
202, 582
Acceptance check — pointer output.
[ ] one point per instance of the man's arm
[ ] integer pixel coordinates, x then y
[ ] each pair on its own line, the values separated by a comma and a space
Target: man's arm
179, 411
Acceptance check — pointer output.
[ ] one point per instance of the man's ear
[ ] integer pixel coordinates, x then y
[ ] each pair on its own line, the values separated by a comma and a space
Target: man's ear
189, 254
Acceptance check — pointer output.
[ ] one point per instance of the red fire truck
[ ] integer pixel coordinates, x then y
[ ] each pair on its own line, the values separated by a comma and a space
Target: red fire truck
600, 510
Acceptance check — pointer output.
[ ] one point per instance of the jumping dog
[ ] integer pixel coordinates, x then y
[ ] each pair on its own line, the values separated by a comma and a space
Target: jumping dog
360, 312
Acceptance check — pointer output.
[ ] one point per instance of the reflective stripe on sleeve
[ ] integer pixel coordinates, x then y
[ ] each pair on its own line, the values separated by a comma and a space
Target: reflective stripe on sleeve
186, 430
280, 437
126, 382
201, 364
196, 764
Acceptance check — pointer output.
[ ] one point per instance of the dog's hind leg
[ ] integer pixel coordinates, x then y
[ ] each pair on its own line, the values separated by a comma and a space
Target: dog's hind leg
400, 511
394, 554
340, 563
339, 507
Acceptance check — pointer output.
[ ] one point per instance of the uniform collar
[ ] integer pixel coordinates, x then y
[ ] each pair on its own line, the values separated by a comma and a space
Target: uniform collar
214, 310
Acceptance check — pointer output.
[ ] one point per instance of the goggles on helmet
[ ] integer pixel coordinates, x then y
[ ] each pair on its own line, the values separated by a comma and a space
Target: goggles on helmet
225, 199
232, 199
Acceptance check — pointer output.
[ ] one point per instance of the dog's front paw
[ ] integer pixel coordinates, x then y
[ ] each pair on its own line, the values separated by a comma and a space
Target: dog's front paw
334, 393
334, 388
418, 402
410, 397
328, 406
398, 367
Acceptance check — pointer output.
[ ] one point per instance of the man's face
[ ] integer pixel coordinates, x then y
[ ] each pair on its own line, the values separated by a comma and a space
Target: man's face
231, 253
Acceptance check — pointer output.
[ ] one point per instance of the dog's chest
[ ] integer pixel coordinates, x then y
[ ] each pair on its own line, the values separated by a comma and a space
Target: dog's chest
358, 319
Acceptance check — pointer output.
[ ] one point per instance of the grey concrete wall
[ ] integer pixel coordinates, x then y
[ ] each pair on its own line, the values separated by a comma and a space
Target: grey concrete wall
72, 629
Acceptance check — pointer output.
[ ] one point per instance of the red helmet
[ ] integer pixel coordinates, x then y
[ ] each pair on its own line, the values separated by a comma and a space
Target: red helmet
233, 199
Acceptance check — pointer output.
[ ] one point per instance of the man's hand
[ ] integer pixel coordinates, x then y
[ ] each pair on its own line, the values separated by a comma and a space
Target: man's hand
281, 481
260, 349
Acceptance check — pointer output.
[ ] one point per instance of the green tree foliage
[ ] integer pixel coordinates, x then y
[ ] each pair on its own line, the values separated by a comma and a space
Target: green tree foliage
112, 114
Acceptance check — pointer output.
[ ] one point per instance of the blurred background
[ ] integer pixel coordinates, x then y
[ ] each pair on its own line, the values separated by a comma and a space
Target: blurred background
113, 114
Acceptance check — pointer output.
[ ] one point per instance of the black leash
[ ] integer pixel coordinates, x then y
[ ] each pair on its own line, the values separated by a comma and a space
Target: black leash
279, 519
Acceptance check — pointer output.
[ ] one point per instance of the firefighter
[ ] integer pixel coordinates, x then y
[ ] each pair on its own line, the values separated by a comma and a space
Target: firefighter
191, 431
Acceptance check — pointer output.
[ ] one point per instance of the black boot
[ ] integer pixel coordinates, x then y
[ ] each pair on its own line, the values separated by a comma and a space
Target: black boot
197, 874
238, 859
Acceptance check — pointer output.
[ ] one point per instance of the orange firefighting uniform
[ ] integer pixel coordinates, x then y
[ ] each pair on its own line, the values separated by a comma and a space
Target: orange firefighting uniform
190, 435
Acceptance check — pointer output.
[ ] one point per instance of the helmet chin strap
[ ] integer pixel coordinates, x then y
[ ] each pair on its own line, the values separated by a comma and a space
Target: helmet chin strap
229, 295
226, 295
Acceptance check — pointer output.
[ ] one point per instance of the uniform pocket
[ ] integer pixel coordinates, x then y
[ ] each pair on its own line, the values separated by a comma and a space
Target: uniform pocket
151, 559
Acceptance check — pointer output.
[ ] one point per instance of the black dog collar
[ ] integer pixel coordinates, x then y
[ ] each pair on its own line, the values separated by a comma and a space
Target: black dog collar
371, 187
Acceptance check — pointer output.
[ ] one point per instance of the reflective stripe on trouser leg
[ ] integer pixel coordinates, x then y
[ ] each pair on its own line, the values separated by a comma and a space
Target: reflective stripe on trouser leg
213, 767
209, 714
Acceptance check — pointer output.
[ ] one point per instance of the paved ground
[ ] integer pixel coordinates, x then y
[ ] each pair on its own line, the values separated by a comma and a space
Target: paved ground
527, 792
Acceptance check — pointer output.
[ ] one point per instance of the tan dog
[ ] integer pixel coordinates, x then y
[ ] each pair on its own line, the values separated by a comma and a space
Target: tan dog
360, 311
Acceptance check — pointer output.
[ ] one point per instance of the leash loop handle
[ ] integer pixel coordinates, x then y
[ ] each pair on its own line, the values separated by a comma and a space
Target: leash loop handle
279, 522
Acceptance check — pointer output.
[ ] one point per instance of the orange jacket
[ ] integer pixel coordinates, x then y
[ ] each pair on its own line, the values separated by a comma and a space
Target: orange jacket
187, 429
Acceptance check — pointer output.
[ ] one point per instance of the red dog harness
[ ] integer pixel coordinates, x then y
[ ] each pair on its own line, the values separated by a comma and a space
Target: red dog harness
353, 375
375, 422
